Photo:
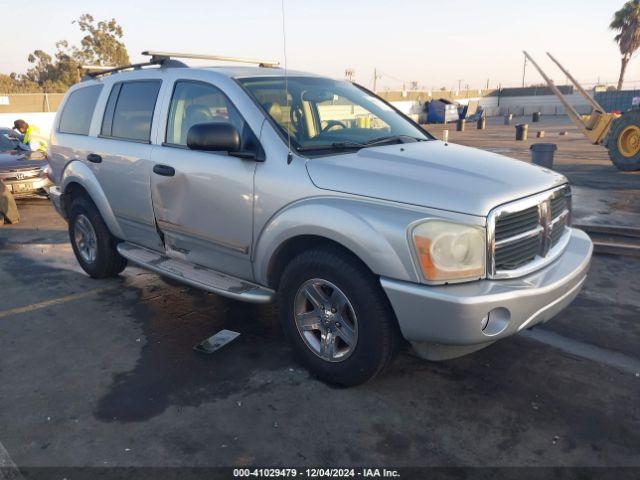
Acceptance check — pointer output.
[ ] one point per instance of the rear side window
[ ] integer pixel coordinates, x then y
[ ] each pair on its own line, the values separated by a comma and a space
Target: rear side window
78, 110
129, 111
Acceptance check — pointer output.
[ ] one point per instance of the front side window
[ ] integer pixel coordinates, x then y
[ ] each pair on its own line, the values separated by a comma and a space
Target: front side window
78, 110
195, 102
129, 111
322, 114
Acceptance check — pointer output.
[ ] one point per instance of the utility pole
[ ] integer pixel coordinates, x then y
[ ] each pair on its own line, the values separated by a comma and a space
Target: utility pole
375, 79
349, 74
459, 85
487, 84
524, 70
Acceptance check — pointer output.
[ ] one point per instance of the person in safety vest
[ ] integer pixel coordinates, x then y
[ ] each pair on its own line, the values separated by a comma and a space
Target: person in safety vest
30, 139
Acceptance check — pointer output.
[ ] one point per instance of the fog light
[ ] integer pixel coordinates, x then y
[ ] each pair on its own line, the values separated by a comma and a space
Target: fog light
496, 322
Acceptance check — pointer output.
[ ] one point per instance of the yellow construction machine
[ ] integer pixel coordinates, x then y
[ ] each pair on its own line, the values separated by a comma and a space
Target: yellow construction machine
619, 134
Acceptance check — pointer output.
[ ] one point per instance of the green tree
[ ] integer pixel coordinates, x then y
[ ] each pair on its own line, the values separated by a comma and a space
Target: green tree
14, 83
102, 45
626, 22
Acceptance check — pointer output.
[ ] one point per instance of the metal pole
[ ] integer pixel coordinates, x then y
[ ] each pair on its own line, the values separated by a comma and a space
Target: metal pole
582, 91
571, 112
524, 70
375, 79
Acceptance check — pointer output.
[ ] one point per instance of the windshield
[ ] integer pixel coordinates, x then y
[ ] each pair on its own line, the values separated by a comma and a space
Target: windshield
323, 114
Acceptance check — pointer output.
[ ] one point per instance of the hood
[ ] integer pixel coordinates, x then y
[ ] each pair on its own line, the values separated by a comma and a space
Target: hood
19, 160
433, 174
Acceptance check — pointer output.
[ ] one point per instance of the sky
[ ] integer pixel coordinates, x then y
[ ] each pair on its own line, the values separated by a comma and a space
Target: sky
438, 44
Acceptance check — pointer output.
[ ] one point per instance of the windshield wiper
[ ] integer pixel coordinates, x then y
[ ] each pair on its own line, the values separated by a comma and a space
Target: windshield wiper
333, 146
392, 139
376, 141
348, 144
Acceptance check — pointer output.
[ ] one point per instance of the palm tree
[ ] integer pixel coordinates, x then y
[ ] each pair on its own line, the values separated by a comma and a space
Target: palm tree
626, 22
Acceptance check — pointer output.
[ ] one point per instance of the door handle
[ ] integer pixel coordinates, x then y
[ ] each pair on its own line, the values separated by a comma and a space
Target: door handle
94, 158
164, 170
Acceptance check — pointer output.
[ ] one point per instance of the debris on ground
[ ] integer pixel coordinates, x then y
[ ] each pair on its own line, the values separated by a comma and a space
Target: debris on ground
217, 341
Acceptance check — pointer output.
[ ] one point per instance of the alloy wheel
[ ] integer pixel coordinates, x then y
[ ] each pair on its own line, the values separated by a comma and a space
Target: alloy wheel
326, 320
85, 239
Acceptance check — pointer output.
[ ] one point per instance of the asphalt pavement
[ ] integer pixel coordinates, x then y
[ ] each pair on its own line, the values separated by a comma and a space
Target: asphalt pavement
102, 373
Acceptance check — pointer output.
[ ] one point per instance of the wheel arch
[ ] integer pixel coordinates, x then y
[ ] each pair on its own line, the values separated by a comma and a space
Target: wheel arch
78, 179
346, 225
294, 246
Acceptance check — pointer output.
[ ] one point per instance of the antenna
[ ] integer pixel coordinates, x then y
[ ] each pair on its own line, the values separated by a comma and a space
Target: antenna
286, 85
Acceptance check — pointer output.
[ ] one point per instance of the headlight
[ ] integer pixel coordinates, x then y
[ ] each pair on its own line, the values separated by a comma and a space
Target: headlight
449, 251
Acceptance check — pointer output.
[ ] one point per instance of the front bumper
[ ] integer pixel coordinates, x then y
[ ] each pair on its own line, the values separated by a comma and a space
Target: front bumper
28, 186
55, 195
475, 314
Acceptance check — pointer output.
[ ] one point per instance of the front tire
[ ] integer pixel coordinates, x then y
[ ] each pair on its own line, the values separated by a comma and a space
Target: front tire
337, 317
623, 141
92, 242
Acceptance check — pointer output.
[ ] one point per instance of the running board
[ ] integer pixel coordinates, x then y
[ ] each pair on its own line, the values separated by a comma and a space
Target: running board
196, 276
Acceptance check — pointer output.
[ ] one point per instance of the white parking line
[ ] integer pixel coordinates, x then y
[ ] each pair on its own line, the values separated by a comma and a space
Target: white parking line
585, 350
8, 469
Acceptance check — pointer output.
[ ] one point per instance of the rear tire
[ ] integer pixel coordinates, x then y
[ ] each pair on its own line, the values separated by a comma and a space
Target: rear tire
623, 141
92, 242
362, 315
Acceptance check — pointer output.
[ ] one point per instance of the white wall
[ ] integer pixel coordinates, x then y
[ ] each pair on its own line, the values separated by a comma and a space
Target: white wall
545, 104
407, 106
525, 105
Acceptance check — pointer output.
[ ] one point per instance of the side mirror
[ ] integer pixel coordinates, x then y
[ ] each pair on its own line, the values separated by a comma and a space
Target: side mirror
214, 137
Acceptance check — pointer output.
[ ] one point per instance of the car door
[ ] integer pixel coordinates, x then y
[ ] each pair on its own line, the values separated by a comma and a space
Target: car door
123, 153
203, 201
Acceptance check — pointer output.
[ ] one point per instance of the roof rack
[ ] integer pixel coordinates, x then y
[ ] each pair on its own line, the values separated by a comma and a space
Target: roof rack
98, 71
95, 68
167, 60
159, 56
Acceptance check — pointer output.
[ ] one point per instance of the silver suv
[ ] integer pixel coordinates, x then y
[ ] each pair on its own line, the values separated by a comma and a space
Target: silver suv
259, 186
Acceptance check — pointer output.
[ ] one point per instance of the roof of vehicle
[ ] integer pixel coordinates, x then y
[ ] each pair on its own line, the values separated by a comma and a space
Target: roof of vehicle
246, 72
168, 61
227, 71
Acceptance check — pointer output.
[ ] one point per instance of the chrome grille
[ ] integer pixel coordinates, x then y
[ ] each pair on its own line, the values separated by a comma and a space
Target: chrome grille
523, 234
516, 223
556, 233
513, 255
558, 205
